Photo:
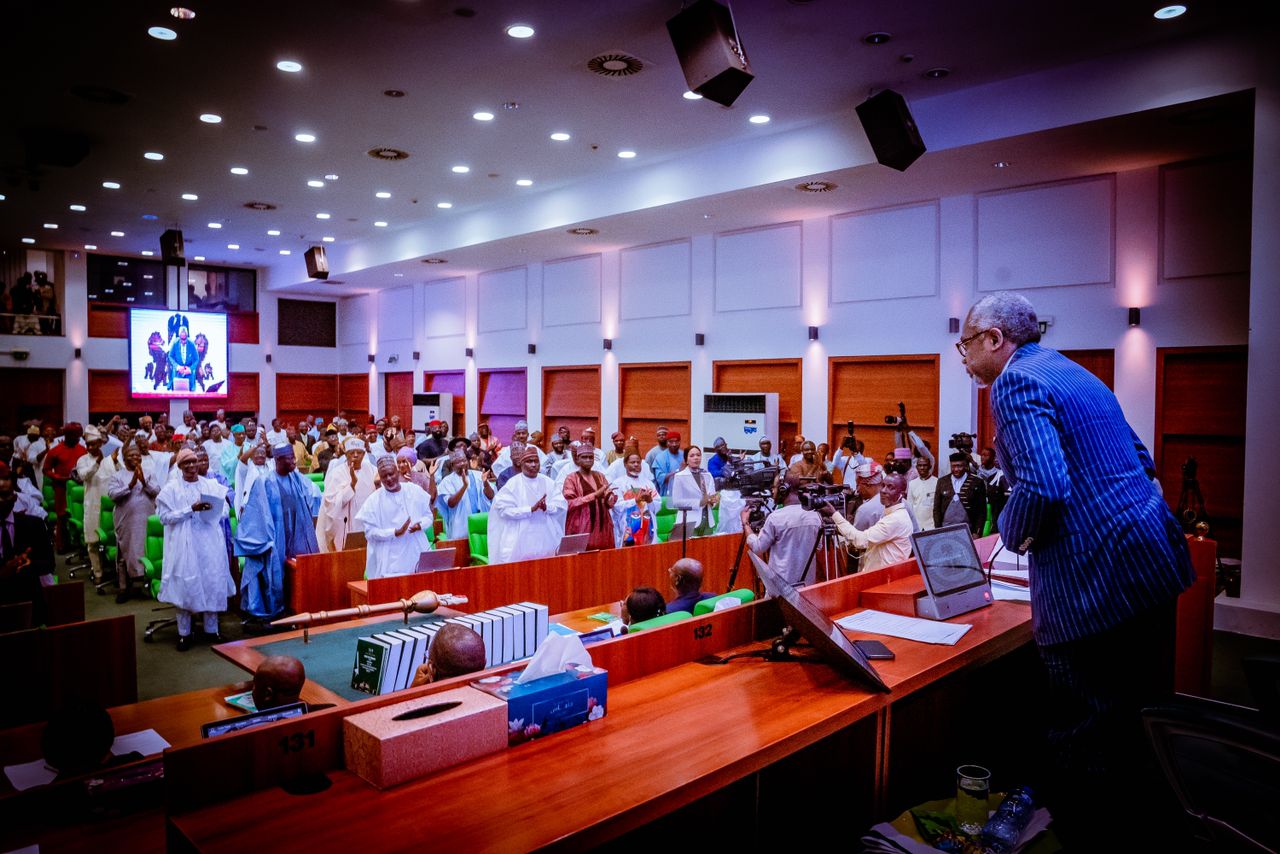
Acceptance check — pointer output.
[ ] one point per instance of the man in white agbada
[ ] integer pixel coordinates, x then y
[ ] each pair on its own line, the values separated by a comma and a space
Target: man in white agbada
247, 473
195, 575
94, 470
215, 444
629, 485
395, 519
347, 485
520, 433
526, 520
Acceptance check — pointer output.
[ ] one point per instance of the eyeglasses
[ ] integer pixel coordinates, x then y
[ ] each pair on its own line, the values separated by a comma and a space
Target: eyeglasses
963, 344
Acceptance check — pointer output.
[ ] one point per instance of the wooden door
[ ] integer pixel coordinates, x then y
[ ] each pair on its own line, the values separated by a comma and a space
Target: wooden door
570, 396
866, 389
653, 395
353, 396
455, 383
398, 396
1100, 363
504, 400
300, 395
783, 376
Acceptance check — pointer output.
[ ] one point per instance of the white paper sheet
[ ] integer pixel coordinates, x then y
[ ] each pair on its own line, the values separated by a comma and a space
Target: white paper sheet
1004, 592
29, 775
148, 742
216, 504
898, 626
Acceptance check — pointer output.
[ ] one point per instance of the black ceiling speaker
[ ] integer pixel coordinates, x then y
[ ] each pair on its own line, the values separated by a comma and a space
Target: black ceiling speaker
171, 251
710, 52
317, 263
890, 129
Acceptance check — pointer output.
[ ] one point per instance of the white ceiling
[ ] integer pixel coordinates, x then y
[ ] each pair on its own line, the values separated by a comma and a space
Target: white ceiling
809, 58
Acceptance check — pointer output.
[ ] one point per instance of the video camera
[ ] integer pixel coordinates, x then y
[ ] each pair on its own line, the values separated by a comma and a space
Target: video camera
816, 495
961, 442
899, 419
750, 477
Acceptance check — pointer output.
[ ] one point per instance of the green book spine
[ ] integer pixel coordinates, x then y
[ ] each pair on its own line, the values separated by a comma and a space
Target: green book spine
366, 676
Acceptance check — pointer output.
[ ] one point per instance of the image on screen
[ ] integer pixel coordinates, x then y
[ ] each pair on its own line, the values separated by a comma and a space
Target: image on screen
948, 559
177, 353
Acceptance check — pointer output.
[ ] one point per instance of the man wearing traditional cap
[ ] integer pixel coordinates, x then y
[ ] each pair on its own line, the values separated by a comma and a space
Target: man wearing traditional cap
667, 462
766, 454
888, 541
195, 575
58, 466
395, 520
519, 433
588, 435
619, 440
435, 445
961, 497
489, 443
347, 485
715, 464
527, 518
589, 500
463, 491
93, 469
558, 455
231, 451
808, 466
275, 526
659, 447
133, 489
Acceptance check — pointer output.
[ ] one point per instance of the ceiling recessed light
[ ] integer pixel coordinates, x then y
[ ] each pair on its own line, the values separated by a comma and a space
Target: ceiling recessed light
28, 240
444, 206
322, 215
111, 185
482, 116
150, 217
937, 73
382, 194
285, 252
289, 65
315, 182
163, 33
393, 93
117, 234
328, 239
153, 155
210, 118
524, 182
626, 154
77, 208
273, 232
147, 252
398, 275
520, 31
331, 177
461, 170
583, 231
182, 13
1001, 164
233, 245
239, 170
560, 136
1167, 12
305, 137
876, 38
380, 224
215, 225
692, 96
198, 258
435, 261
90, 246
190, 197
50, 225
759, 119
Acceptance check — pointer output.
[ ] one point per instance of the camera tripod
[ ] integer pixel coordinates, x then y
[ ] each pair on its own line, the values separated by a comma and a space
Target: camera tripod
826, 567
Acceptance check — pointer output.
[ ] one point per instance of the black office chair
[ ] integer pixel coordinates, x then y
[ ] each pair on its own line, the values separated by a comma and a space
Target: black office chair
1223, 763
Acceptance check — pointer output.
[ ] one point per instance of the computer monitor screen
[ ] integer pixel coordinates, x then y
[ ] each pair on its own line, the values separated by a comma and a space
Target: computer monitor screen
292, 710
177, 354
815, 627
948, 559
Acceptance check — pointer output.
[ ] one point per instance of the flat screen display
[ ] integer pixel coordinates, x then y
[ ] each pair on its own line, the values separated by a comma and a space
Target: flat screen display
948, 559
177, 353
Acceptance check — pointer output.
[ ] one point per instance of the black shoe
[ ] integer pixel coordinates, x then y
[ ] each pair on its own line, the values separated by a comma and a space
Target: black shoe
122, 597
216, 637
184, 643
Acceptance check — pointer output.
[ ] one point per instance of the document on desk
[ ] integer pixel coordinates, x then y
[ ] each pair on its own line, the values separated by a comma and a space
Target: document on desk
898, 626
29, 775
1004, 591
148, 742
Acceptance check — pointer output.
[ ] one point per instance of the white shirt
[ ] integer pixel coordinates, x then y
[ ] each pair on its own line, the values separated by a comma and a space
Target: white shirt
887, 542
382, 514
518, 533
788, 536
920, 494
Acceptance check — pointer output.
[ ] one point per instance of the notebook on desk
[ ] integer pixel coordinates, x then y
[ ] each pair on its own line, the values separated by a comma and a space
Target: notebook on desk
435, 559
573, 544
354, 540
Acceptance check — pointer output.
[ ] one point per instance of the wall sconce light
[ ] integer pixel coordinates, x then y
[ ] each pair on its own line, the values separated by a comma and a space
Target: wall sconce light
533, 348
608, 343
813, 333
471, 353
1135, 316
393, 358
416, 355
268, 358
372, 358
953, 325
699, 339
1044, 326
77, 352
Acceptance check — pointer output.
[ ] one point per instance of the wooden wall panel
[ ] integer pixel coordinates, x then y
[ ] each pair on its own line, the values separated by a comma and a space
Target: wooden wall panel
242, 396
242, 327
1200, 412
571, 396
109, 392
108, 321
455, 383
653, 395
398, 396
353, 396
300, 395
783, 376
504, 400
867, 388
1100, 363
31, 393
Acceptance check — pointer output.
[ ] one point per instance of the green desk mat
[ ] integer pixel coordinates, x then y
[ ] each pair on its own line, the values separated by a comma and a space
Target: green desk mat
330, 656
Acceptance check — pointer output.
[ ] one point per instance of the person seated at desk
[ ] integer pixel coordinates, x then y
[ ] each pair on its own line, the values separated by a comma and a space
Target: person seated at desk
278, 682
456, 651
888, 541
643, 603
395, 520
686, 580
77, 740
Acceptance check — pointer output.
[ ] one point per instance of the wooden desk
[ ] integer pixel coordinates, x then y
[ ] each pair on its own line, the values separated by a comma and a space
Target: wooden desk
317, 582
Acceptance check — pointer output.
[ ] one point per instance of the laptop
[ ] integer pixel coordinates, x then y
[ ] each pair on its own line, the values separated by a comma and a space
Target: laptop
292, 710
690, 531
354, 540
573, 544
435, 559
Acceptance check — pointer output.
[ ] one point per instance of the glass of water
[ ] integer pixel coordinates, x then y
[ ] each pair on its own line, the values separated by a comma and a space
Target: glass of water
973, 788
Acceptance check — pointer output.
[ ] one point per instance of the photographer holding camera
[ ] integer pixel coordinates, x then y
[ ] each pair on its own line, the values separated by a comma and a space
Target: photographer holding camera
788, 533
888, 541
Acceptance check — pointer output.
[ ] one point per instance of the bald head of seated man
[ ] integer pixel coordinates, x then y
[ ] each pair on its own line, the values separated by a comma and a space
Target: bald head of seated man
278, 682
456, 651
686, 581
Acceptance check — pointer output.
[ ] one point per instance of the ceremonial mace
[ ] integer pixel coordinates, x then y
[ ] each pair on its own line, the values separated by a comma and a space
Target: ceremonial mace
422, 602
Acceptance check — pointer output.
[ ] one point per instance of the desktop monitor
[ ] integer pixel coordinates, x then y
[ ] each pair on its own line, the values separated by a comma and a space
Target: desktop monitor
954, 580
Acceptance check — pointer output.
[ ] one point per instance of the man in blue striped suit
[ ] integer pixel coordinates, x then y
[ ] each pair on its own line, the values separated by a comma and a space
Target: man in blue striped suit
1107, 557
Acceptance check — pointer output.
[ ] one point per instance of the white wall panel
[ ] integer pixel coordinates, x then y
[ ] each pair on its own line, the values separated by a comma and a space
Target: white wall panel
1204, 218
758, 268
656, 280
395, 313
889, 253
353, 319
1047, 235
445, 307
571, 291
503, 299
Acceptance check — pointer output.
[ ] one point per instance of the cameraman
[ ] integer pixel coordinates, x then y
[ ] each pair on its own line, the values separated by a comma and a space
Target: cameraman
888, 541
788, 534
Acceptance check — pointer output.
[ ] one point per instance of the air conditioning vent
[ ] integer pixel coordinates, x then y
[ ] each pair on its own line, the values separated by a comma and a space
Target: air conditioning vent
615, 64
386, 153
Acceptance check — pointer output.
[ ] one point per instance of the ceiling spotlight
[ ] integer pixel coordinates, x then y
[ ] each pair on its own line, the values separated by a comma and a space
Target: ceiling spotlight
90, 246
560, 136
382, 194
323, 215
3, 197
1001, 164
380, 224
328, 239
331, 177
759, 119
524, 182
1167, 12
444, 206
285, 252
273, 232
117, 234
692, 96
239, 170
583, 231
876, 38
482, 116
315, 183
198, 258
626, 154
163, 33
461, 170
190, 197
28, 240
520, 31
111, 185
182, 13
305, 137
215, 225
937, 73
289, 65
233, 245
211, 118
435, 261
153, 155
150, 217
77, 208
50, 225
147, 252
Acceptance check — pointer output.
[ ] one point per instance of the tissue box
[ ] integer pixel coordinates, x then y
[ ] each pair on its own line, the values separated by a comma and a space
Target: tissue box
386, 751
550, 704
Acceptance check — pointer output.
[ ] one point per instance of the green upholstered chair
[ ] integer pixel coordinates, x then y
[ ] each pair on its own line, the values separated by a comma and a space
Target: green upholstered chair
47, 492
666, 517
153, 557
107, 535
478, 538
75, 509
706, 606
664, 620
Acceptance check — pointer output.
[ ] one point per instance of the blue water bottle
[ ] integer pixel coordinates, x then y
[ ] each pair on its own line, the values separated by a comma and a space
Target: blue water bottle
1001, 832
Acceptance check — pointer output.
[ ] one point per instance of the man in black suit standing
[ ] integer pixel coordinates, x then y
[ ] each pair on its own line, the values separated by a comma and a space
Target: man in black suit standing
26, 553
961, 497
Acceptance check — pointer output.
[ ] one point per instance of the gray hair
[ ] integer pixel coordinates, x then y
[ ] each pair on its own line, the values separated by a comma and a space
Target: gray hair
1011, 313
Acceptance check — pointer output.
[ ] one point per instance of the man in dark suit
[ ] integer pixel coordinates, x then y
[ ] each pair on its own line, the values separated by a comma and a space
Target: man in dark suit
26, 553
961, 497
1107, 560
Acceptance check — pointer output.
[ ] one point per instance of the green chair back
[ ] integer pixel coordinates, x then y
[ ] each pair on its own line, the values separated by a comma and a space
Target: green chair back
107, 503
478, 538
664, 620
75, 493
153, 557
706, 606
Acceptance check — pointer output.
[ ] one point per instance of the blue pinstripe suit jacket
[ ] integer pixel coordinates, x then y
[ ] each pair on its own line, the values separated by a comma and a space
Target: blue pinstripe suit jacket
1105, 545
